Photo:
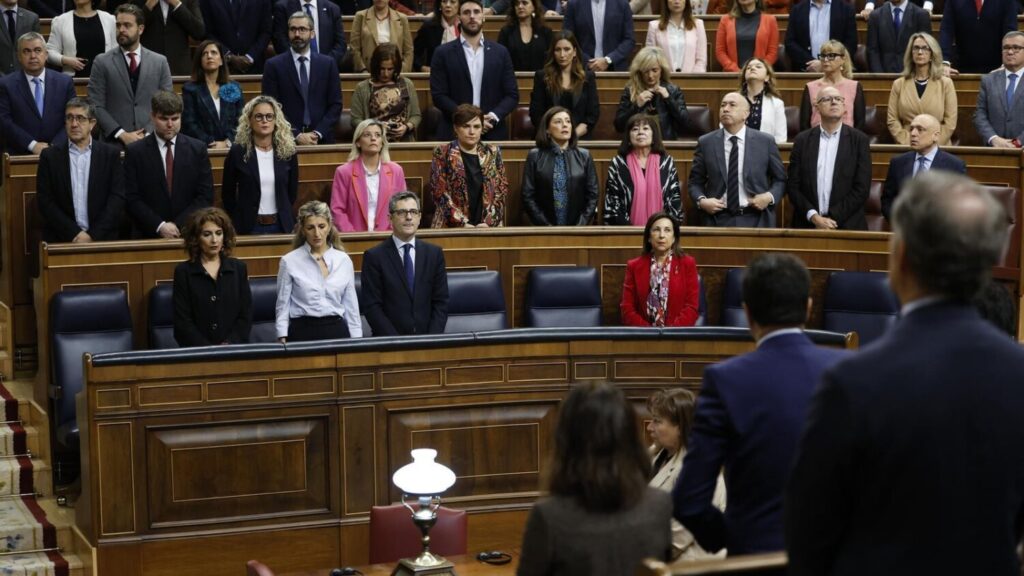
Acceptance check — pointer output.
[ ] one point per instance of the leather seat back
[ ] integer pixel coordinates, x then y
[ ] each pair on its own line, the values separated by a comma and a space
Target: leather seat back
160, 312
563, 297
264, 310
860, 302
732, 300
476, 302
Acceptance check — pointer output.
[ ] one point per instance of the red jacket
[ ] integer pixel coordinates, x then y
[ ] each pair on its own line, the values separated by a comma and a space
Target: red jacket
683, 292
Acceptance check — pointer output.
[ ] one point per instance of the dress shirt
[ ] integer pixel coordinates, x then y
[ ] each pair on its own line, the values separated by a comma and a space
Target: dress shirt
741, 138
676, 45
32, 89
597, 10
401, 252
161, 145
303, 291
80, 161
475, 61
929, 158
372, 192
902, 6
779, 332
819, 25
828, 149
268, 192
309, 58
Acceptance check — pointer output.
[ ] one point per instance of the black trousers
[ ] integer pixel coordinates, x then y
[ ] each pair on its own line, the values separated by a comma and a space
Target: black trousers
306, 328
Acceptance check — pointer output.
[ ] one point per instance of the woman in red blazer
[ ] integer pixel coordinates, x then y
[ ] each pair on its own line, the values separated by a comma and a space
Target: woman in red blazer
766, 40
661, 287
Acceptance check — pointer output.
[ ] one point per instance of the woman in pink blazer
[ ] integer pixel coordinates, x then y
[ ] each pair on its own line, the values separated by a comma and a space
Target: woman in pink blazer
364, 185
680, 36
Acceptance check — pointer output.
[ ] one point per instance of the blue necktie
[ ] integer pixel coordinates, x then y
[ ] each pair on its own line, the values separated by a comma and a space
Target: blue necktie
1010, 87
896, 20
309, 12
304, 84
922, 164
39, 95
410, 273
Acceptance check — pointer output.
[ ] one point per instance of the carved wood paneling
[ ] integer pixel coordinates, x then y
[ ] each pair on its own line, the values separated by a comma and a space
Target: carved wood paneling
115, 456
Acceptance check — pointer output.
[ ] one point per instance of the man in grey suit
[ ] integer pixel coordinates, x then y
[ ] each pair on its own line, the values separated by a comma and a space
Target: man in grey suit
14, 21
124, 80
999, 116
889, 31
737, 176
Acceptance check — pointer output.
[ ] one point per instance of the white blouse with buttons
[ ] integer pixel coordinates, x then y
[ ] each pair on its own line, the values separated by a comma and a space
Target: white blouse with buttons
302, 290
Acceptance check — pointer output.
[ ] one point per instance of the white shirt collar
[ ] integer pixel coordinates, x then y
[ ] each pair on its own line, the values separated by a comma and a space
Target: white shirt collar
827, 134
779, 332
465, 43
399, 243
137, 51
74, 148
296, 55
741, 135
930, 155
1018, 73
30, 78
162, 144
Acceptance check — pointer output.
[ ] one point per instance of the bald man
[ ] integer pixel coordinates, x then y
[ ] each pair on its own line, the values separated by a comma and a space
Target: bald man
830, 170
737, 177
924, 155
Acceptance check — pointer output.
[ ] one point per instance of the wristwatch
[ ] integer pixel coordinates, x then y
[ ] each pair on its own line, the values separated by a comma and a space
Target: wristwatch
608, 60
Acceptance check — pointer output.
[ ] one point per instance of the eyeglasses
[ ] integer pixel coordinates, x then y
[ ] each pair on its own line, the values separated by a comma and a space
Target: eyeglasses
1012, 49
831, 100
922, 49
76, 118
298, 29
829, 56
402, 213
263, 117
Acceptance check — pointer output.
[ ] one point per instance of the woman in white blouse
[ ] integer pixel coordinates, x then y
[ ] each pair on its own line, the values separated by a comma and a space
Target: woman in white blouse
767, 110
680, 36
78, 36
316, 293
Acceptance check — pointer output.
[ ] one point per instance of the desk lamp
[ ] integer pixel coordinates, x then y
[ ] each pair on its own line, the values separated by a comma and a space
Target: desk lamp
422, 482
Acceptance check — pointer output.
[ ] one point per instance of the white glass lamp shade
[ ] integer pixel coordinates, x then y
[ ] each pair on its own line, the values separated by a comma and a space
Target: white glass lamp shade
424, 476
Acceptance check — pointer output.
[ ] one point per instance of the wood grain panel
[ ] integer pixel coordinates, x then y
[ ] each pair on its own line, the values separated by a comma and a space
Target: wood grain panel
116, 478
171, 394
238, 390
590, 370
294, 386
357, 382
474, 374
359, 464
406, 379
113, 398
645, 369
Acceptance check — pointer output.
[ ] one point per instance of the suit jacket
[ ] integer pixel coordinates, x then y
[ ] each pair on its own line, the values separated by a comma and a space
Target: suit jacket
618, 31
19, 116
364, 38
851, 178
683, 543
200, 118
991, 118
105, 193
748, 419
683, 292
281, 80
842, 27
244, 30
208, 313
901, 168
330, 36
695, 54
872, 491
538, 187
584, 107
762, 172
349, 199
766, 43
241, 189
671, 111
973, 42
450, 85
939, 100
62, 42
118, 107
171, 37
886, 46
149, 202
388, 304
25, 21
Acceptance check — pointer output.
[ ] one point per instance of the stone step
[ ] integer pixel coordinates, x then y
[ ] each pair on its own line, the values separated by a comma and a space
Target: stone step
33, 564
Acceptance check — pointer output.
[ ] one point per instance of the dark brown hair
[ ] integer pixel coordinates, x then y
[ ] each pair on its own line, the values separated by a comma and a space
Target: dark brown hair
140, 16
688, 22
166, 103
536, 22
464, 113
544, 137
553, 76
194, 229
675, 405
199, 75
676, 224
657, 145
383, 53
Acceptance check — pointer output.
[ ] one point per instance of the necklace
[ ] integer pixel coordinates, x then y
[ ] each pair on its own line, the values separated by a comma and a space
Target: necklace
387, 14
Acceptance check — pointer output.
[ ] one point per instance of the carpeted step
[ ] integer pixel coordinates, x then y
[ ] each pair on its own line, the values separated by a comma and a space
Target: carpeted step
24, 527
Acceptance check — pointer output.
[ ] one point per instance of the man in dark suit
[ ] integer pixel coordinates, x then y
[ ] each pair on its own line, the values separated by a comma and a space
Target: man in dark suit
910, 461
969, 39
614, 49
14, 21
999, 113
830, 170
471, 70
80, 184
924, 155
749, 415
730, 190
306, 84
32, 100
889, 31
814, 22
169, 24
329, 38
404, 280
167, 174
243, 27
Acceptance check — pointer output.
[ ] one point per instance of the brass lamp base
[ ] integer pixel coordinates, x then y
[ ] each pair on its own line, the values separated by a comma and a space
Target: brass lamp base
409, 567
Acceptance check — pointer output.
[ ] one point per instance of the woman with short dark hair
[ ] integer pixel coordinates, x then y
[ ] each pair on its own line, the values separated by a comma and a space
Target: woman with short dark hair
661, 286
387, 95
642, 177
559, 180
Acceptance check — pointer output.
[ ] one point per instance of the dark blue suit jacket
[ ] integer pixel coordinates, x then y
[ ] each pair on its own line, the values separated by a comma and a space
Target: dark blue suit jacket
902, 167
842, 27
910, 462
749, 415
973, 43
281, 80
330, 37
450, 85
618, 31
20, 119
200, 119
145, 183
241, 190
244, 30
386, 301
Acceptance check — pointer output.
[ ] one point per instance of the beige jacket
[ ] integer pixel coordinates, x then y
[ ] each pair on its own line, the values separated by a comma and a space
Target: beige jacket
684, 547
363, 39
939, 100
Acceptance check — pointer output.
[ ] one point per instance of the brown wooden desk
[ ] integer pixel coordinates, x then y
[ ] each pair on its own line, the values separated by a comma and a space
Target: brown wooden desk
465, 565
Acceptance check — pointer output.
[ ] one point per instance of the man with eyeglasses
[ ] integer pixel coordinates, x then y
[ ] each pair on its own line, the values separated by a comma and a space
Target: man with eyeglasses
889, 30
80, 183
999, 115
830, 170
814, 22
970, 31
404, 280
924, 155
330, 36
306, 84
32, 100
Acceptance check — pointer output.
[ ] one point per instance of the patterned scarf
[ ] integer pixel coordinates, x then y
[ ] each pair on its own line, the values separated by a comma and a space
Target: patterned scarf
657, 297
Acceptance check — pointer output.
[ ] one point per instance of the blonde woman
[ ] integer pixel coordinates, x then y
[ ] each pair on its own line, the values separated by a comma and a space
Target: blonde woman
837, 72
261, 173
922, 89
767, 110
364, 185
680, 36
648, 91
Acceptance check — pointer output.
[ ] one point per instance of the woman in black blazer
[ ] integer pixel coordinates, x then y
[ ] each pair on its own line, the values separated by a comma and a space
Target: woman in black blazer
551, 199
526, 17
212, 100
442, 27
564, 82
212, 301
258, 202
649, 91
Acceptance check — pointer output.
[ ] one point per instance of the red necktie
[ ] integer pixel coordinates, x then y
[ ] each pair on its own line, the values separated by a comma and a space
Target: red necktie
134, 65
169, 161
977, 4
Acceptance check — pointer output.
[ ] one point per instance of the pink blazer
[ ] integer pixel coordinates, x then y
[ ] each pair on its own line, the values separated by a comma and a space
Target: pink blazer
349, 200
695, 55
